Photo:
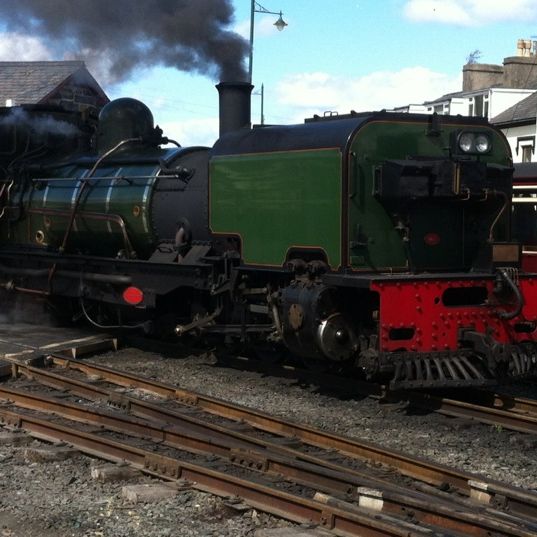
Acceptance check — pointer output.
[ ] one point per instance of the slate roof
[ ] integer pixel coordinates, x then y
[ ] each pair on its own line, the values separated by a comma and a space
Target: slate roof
32, 82
522, 112
447, 96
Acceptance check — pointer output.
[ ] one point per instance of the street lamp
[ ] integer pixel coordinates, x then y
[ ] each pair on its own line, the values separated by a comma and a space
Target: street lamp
280, 24
261, 92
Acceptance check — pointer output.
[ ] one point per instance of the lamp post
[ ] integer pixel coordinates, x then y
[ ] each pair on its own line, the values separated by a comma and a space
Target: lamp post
280, 24
261, 92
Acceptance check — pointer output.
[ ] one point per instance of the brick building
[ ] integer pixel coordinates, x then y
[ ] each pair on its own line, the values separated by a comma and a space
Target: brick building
67, 84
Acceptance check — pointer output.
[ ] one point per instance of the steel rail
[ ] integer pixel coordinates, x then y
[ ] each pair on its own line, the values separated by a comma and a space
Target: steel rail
518, 500
342, 522
488, 414
388, 498
504, 401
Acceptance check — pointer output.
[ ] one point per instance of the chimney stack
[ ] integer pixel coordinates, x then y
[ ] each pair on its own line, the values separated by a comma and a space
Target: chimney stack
525, 48
235, 106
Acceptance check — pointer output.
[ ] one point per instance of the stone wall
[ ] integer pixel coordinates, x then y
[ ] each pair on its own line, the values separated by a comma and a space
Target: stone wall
517, 72
477, 76
77, 98
520, 72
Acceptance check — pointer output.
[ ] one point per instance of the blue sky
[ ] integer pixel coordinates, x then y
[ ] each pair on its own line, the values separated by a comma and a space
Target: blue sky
334, 55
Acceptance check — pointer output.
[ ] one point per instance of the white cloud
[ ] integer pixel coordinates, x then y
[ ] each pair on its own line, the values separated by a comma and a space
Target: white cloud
302, 95
242, 28
470, 12
315, 93
19, 47
192, 132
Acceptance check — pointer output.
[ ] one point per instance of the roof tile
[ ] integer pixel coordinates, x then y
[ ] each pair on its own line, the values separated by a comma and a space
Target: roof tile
31, 82
524, 110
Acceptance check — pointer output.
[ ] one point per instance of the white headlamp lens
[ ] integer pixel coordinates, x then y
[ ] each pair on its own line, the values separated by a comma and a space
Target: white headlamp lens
466, 142
482, 143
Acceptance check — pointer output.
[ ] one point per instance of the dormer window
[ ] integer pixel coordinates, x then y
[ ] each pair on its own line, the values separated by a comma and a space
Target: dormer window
478, 106
525, 148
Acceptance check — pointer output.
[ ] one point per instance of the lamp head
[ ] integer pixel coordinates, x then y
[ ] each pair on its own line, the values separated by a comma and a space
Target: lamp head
280, 23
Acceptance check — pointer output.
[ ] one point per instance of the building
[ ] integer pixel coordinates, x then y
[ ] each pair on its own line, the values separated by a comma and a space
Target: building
67, 84
483, 102
504, 94
514, 113
487, 89
518, 123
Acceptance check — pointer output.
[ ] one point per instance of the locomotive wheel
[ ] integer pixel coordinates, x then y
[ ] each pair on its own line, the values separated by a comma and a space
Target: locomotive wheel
336, 338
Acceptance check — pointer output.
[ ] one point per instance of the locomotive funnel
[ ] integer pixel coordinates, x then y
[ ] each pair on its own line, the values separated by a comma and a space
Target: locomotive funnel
235, 106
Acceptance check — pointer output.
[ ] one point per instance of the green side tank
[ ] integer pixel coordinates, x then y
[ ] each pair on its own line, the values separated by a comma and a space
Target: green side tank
372, 192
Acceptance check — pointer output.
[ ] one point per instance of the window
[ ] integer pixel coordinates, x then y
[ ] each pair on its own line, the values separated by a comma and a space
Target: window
525, 148
478, 105
471, 107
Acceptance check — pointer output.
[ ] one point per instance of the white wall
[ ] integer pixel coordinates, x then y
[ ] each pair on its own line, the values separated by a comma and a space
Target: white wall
459, 105
513, 134
411, 109
499, 99
502, 99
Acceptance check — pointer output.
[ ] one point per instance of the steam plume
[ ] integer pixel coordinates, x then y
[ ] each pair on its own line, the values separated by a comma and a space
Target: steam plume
39, 124
190, 35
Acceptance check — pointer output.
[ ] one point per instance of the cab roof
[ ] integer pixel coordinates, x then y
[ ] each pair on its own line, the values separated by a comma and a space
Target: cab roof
319, 132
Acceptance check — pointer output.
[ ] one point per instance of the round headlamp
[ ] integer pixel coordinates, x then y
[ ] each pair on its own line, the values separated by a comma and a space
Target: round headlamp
482, 143
466, 142
473, 143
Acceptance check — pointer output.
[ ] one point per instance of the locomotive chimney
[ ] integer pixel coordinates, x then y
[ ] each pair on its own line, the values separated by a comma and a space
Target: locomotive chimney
235, 106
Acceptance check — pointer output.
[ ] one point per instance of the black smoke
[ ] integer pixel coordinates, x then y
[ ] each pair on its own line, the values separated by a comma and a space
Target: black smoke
122, 35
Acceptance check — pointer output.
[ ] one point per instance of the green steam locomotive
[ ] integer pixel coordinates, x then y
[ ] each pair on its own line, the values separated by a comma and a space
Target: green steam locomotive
373, 242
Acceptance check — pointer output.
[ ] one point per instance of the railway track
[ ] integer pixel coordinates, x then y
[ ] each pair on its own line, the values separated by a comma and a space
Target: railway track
480, 405
284, 468
483, 406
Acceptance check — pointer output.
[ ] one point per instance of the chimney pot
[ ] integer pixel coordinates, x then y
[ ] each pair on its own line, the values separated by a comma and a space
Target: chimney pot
235, 106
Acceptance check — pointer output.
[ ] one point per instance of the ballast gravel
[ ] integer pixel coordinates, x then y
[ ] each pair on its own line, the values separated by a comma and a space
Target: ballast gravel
60, 498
